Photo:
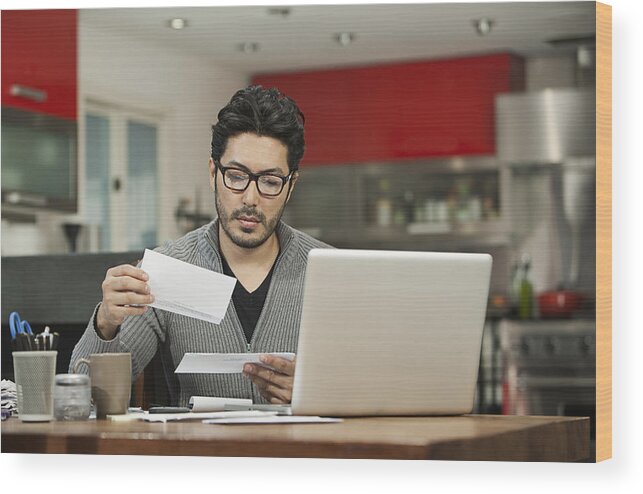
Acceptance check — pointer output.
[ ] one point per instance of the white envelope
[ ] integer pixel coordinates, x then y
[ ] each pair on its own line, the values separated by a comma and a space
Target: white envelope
221, 363
215, 403
186, 289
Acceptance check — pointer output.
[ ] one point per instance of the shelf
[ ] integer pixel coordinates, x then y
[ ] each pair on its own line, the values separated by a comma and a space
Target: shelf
396, 237
490, 227
428, 205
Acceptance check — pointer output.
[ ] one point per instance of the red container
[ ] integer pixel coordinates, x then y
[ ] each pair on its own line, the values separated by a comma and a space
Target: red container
559, 303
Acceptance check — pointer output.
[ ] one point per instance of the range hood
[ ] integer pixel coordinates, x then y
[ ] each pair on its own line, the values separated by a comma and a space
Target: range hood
546, 126
555, 130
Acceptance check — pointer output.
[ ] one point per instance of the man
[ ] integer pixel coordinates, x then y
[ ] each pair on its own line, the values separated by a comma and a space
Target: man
257, 145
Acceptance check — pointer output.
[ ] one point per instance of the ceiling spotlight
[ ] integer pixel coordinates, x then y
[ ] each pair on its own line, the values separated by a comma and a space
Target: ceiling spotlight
483, 26
585, 56
249, 47
177, 23
345, 38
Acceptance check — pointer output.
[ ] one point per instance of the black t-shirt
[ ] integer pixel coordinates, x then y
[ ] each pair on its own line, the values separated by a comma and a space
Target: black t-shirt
248, 304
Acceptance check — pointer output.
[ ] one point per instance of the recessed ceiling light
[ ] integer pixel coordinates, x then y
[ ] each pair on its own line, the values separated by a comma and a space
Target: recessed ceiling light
248, 47
345, 38
177, 23
483, 26
585, 56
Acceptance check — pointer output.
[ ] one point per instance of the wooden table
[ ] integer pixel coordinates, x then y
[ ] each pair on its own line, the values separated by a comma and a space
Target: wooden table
468, 437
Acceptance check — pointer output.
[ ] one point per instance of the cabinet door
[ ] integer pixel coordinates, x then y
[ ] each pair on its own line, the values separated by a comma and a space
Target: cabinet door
39, 61
398, 111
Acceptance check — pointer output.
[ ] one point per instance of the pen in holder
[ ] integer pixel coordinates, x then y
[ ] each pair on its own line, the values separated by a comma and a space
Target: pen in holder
27, 342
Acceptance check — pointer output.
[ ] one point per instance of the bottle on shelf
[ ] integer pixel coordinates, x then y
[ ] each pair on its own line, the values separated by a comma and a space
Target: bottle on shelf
475, 209
409, 206
384, 205
463, 192
526, 294
420, 214
452, 206
489, 211
490, 199
514, 287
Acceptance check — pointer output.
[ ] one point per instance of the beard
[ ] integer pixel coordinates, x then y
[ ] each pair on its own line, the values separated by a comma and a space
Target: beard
246, 241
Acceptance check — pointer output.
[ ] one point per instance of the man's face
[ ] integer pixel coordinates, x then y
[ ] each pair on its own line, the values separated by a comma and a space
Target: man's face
247, 217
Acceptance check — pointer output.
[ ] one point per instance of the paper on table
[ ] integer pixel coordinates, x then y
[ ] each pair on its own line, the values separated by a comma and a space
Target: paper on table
221, 363
170, 417
276, 419
186, 289
215, 403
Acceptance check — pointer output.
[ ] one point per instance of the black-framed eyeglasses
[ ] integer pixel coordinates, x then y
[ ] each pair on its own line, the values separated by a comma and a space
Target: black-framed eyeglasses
268, 184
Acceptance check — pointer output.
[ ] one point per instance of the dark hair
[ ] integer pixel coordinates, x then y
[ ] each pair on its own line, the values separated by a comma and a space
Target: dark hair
265, 112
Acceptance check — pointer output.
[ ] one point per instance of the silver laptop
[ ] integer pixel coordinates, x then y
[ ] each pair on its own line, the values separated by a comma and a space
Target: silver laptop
390, 333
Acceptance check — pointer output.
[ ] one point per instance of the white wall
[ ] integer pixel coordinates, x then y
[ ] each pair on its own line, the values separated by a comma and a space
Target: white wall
187, 92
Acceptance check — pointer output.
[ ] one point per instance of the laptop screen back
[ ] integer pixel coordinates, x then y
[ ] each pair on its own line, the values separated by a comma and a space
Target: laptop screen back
390, 332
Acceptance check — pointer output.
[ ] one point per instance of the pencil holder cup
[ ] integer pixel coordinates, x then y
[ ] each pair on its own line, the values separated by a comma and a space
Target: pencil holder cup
35, 374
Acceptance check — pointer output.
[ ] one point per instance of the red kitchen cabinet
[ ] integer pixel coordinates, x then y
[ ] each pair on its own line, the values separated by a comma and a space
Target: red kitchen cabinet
402, 110
39, 61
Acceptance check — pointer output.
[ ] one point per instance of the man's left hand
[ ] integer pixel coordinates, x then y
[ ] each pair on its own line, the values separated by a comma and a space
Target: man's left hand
274, 384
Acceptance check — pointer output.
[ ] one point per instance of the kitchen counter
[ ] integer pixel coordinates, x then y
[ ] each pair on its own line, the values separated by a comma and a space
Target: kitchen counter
467, 437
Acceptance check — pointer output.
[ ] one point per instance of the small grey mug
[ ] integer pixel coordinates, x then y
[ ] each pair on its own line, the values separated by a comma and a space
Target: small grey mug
111, 378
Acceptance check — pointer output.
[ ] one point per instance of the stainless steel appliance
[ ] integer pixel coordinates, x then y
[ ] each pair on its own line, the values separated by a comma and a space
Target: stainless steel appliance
545, 127
549, 137
553, 133
549, 367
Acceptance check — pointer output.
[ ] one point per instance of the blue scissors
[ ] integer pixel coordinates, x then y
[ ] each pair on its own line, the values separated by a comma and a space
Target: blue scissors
18, 326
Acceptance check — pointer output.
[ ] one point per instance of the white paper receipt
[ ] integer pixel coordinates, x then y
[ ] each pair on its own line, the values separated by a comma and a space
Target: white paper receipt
186, 289
221, 363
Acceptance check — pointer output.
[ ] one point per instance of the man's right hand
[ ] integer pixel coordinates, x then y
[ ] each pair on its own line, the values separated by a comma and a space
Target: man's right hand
124, 286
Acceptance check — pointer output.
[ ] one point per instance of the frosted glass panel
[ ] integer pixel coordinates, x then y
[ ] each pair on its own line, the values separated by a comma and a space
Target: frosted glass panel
97, 175
142, 197
38, 160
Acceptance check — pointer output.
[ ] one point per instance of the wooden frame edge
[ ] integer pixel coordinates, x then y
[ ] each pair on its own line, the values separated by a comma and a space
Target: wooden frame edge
603, 231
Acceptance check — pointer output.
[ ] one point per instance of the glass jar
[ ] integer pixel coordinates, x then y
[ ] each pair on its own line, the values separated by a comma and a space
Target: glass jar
72, 397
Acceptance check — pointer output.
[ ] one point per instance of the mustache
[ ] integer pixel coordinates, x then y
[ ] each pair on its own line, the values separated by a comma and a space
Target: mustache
248, 212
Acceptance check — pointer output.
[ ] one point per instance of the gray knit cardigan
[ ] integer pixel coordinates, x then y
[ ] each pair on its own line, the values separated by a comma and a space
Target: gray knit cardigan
173, 335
